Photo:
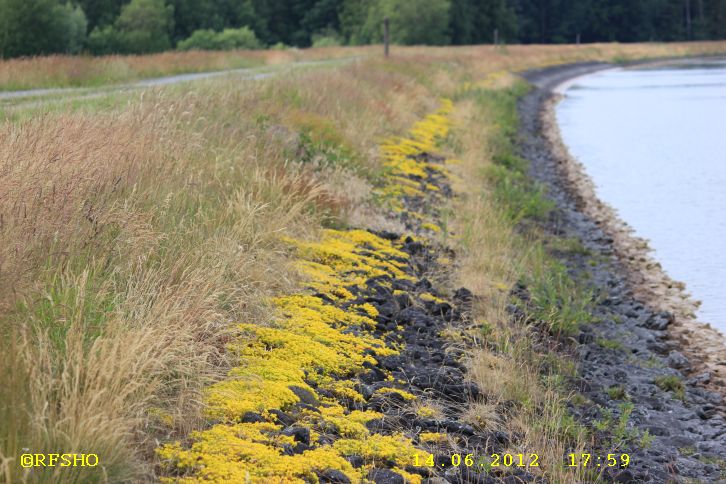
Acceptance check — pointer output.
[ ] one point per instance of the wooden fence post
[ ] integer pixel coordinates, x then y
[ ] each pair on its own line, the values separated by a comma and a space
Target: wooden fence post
386, 36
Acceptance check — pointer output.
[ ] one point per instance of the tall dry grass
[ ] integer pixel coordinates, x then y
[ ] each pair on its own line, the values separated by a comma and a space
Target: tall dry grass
132, 240
123, 261
519, 370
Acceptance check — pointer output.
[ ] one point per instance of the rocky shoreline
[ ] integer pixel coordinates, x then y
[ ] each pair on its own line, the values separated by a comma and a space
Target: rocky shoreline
646, 356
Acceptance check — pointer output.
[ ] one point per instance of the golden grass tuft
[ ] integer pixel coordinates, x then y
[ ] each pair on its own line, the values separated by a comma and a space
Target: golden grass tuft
492, 257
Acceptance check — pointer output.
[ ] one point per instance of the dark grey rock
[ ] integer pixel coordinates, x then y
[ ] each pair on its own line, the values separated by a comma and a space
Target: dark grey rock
660, 321
305, 396
677, 360
385, 476
355, 460
701, 379
333, 476
283, 418
252, 417
300, 434
457, 427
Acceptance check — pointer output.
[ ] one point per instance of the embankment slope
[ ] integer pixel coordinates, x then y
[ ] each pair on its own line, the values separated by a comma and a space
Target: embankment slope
645, 320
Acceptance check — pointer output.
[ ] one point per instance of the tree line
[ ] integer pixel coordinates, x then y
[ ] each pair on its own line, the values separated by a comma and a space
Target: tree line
36, 27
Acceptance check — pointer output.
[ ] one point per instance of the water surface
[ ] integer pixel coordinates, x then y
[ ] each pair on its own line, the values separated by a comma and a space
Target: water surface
654, 142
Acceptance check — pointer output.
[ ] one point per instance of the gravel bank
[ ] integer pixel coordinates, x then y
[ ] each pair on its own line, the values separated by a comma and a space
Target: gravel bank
646, 349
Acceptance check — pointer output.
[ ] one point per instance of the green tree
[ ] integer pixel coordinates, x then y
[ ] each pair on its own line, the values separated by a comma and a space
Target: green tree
322, 21
101, 12
352, 15
143, 26
411, 21
715, 19
33, 27
192, 15
73, 27
228, 39
146, 25
463, 24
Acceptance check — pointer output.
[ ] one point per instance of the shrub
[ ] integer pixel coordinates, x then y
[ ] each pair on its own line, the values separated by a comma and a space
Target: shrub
142, 27
325, 41
328, 37
202, 39
412, 22
242, 38
228, 39
32, 27
106, 40
74, 27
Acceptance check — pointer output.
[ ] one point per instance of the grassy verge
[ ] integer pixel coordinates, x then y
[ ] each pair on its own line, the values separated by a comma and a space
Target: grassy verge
135, 236
86, 71
520, 364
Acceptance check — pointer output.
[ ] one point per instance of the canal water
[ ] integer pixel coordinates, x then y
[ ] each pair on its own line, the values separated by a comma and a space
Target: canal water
654, 142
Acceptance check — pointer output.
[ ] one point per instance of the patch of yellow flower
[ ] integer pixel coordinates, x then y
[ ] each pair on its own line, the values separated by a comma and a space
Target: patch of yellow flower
381, 448
313, 349
250, 452
305, 345
408, 172
345, 260
350, 425
426, 411
428, 297
404, 394
307, 348
432, 437
431, 227
491, 81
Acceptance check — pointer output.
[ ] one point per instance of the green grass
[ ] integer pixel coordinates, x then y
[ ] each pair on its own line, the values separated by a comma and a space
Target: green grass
610, 344
646, 440
617, 392
568, 245
687, 451
673, 384
104, 97
580, 400
622, 435
718, 462
557, 301
87, 71
520, 197
556, 298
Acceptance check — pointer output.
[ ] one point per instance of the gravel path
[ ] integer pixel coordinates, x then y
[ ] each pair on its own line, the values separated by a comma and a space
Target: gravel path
33, 96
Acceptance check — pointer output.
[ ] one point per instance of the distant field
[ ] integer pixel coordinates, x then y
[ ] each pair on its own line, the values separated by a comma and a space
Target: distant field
135, 235
82, 71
